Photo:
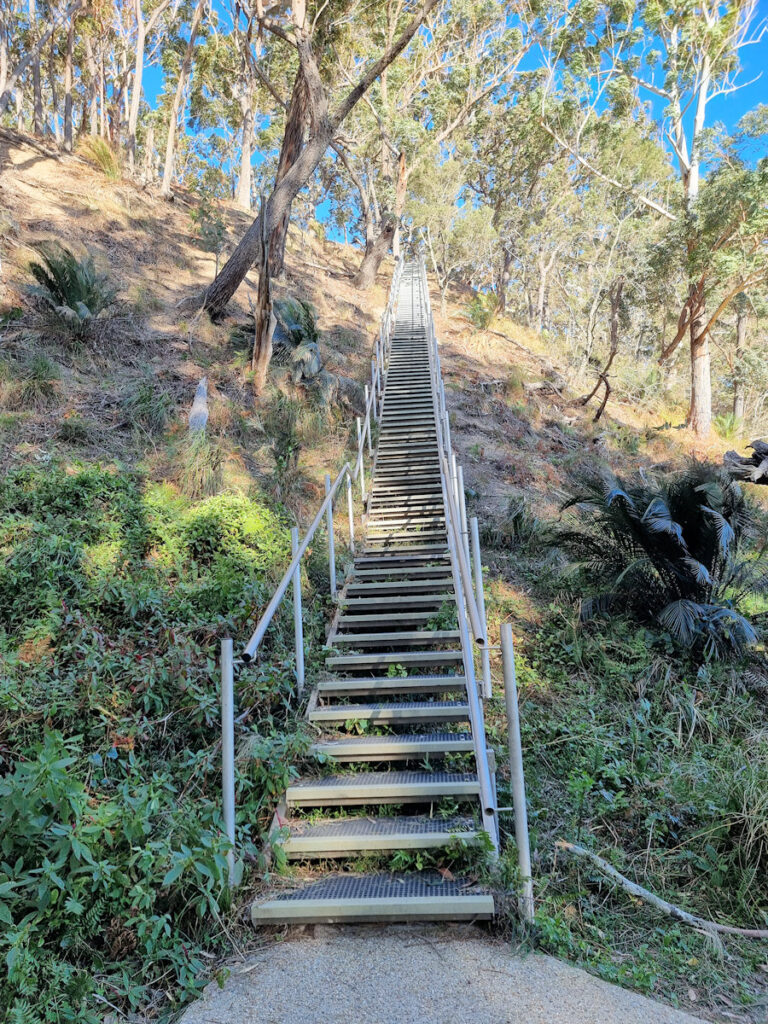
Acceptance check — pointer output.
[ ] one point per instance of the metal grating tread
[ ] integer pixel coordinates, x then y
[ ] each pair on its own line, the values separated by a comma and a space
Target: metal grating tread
360, 779
360, 826
426, 884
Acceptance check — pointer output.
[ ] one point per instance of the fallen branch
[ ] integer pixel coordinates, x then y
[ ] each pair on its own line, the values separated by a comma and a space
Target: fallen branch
655, 901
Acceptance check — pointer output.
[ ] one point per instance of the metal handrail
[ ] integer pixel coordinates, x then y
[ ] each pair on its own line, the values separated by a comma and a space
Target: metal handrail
258, 634
381, 347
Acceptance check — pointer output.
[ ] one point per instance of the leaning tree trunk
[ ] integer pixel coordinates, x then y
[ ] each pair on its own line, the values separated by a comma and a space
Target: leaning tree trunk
738, 378
173, 120
290, 152
366, 275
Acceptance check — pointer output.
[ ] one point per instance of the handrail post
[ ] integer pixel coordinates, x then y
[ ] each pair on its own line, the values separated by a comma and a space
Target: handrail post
351, 514
228, 748
516, 773
298, 625
331, 548
485, 655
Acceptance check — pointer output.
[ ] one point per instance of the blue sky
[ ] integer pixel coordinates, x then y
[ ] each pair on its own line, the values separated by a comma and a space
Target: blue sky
726, 109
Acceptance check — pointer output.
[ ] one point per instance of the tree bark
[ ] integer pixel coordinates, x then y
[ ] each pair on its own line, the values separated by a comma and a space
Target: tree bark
264, 318
700, 412
324, 128
165, 188
738, 378
68, 86
366, 275
37, 85
243, 197
290, 150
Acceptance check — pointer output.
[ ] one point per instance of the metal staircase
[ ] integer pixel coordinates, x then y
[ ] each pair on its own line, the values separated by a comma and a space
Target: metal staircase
399, 711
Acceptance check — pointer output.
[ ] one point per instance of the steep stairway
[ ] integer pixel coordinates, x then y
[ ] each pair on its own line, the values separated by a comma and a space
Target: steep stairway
398, 731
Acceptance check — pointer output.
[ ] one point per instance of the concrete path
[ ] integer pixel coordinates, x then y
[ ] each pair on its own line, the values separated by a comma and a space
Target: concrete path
417, 974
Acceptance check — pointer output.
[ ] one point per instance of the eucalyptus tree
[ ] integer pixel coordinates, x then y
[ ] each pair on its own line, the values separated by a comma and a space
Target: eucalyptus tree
296, 30
680, 55
468, 52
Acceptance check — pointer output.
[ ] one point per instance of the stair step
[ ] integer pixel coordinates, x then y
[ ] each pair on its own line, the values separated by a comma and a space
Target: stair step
395, 748
342, 837
362, 788
367, 686
416, 636
374, 659
418, 604
414, 712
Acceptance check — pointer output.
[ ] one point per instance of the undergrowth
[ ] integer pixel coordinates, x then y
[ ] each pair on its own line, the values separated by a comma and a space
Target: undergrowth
114, 593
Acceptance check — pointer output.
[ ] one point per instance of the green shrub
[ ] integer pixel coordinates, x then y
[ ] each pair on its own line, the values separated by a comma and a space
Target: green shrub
71, 291
670, 551
113, 596
299, 319
728, 426
481, 310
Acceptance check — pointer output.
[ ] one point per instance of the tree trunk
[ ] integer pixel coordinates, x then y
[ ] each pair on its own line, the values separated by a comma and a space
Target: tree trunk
54, 95
264, 318
290, 152
738, 377
93, 88
148, 164
37, 84
366, 275
377, 249
502, 281
68, 86
165, 188
244, 182
700, 412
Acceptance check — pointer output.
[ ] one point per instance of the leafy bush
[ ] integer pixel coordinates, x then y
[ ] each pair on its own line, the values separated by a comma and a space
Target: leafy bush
72, 291
481, 310
728, 426
102, 154
669, 551
113, 594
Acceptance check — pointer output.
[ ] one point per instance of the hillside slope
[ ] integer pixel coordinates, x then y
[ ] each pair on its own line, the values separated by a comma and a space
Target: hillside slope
129, 575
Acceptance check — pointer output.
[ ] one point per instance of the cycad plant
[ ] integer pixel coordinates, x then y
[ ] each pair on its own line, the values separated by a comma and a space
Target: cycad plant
73, 290
671, 551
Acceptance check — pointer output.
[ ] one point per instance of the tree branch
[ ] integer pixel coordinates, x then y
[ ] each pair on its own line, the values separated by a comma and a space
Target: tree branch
644, 200
369, 77
677, 913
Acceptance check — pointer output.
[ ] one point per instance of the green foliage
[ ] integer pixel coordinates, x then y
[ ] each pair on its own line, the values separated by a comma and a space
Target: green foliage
72, 291
102, 154
299, 319
36, 385
209, 224
281, 425
200, 464
147, 406
112, 859
669, 551
481, 311
728, 426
